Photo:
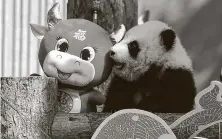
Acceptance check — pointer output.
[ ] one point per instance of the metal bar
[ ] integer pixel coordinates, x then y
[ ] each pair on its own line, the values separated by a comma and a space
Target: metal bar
14, 38
28, 37
21, 38
3, 38
39, 22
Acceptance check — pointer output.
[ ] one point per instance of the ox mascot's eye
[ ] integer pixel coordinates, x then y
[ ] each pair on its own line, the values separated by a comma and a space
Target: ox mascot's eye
88, 53
62, 45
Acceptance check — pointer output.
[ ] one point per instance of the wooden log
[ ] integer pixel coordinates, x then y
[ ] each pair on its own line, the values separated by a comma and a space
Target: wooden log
28, 107
111, 13
82, 126
76, 126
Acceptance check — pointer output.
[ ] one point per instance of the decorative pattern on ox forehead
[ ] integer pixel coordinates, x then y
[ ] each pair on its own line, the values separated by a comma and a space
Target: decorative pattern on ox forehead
80, 34
89, 33
82, 26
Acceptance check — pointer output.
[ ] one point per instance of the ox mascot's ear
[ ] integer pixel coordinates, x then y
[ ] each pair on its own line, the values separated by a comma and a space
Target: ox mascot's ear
38, 30
53, 17
118, 35
144, 17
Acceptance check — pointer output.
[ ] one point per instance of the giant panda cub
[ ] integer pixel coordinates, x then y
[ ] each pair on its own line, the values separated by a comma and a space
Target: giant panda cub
152, 71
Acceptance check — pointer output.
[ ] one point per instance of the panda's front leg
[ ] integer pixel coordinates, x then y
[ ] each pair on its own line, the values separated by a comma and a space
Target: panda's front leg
118, 100
119, 95
149, 102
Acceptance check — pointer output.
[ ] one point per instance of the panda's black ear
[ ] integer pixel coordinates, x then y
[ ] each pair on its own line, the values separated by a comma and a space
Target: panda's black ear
168, 37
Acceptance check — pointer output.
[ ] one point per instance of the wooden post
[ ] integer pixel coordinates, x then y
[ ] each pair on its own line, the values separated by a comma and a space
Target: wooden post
28, 107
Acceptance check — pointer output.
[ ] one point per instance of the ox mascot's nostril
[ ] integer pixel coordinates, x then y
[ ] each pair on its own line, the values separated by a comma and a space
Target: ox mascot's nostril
59, 56
77, 62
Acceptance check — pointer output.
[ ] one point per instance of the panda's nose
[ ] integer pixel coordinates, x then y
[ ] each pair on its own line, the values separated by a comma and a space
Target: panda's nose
112, 53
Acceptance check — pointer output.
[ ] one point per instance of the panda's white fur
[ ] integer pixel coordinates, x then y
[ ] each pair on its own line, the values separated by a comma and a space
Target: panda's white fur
147, 35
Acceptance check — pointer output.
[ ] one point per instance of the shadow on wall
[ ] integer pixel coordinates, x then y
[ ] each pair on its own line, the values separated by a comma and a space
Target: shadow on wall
202, 37
199, 25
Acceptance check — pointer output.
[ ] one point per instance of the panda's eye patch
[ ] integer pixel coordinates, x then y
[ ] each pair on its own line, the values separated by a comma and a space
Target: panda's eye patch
168, 38
133, 48
62, 45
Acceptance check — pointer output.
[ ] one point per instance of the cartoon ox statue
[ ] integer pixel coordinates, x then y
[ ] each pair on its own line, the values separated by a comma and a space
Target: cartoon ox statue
75, 51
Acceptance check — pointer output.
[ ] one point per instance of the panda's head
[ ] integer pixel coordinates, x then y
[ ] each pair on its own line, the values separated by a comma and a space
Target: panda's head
153, 42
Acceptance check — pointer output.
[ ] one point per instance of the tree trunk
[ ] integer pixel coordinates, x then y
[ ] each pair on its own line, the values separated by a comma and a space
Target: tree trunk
111, 13
28, 107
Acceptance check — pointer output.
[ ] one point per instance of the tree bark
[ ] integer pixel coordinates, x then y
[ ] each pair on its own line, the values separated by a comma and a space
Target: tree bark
28, 107
82, 126
111, 13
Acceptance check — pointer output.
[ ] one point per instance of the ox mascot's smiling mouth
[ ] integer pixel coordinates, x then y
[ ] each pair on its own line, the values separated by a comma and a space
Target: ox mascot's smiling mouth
62, 75
65, 76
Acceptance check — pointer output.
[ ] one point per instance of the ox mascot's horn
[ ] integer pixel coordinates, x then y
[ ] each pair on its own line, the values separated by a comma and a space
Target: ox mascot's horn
53, 16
